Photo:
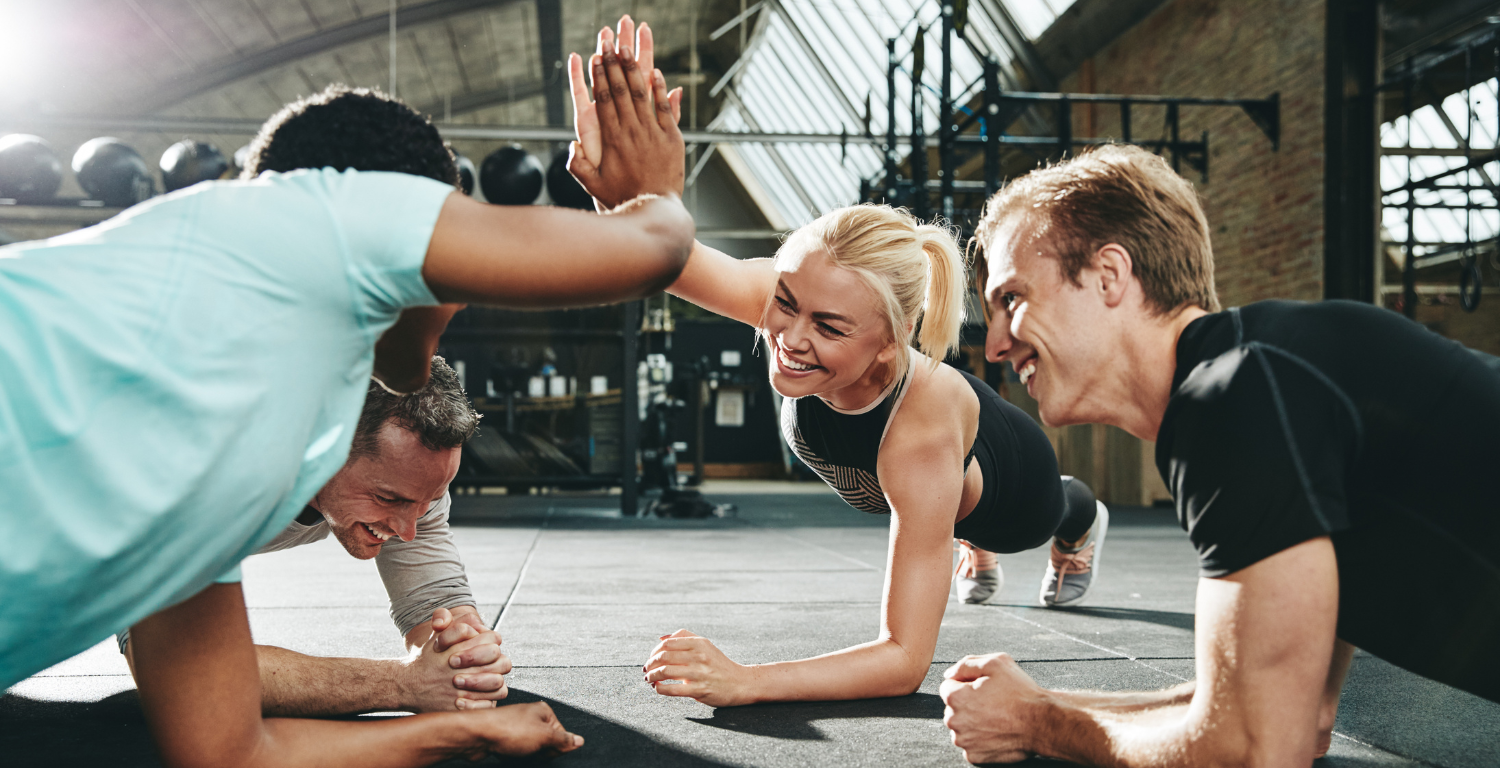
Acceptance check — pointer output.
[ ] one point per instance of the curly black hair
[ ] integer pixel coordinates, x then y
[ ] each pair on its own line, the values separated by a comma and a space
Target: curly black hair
359, 128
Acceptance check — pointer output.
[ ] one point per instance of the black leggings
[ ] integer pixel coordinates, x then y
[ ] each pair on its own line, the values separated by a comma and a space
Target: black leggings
1025, 502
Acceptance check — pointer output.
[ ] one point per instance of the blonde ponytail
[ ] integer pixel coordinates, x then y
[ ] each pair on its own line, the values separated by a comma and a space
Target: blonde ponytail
943, 310
915, 270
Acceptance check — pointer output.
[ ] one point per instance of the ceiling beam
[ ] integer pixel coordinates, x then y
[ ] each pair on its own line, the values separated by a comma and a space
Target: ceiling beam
249, 127
319, 42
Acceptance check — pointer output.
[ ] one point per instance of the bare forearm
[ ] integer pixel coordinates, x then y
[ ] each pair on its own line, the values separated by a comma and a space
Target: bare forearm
735, 288
1157, 736
873, 670
403, 355
297, 685
544, 258
394, 743
1123, 702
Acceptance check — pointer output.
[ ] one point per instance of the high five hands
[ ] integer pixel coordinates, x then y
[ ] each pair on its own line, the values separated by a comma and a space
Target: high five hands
699, 670
628, 143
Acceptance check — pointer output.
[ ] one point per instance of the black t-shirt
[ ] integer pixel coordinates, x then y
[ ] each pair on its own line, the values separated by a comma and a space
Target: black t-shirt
1290, 421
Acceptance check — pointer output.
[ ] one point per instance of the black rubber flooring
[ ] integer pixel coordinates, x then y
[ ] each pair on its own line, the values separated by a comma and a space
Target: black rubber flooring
585, 594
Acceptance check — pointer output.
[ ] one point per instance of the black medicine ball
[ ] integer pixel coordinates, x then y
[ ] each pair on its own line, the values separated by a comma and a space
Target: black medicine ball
188, 162
510, 176
111, 171
563, 188
29, 170
466, 175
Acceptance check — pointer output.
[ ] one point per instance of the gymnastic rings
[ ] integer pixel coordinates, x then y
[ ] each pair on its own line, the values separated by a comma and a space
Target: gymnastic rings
1469, 284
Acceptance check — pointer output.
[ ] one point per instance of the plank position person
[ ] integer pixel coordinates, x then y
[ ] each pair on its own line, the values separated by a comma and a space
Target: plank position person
405, 447
405, 451
1302, 467
178, 383
894, 431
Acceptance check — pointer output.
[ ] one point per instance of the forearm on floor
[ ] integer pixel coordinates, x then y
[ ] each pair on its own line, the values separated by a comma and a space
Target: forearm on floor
1124, 702
873, 670
297, 685
389, 743
1155, 736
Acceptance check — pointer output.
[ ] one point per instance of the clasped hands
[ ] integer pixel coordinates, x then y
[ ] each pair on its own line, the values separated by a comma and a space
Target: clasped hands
460, 667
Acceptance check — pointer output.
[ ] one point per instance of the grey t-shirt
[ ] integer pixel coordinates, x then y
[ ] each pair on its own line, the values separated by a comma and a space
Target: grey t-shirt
420, 575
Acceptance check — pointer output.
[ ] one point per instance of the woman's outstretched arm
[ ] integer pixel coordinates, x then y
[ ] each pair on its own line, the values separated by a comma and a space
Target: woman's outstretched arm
921, 471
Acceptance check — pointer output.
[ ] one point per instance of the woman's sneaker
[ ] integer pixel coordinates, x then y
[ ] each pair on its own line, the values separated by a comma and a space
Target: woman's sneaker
1072, 570
978, 576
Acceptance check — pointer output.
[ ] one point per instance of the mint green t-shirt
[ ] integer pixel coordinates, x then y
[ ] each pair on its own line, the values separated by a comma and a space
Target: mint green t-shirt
177, 382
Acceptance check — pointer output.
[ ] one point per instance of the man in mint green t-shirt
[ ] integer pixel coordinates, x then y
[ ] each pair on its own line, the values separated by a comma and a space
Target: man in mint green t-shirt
176, 383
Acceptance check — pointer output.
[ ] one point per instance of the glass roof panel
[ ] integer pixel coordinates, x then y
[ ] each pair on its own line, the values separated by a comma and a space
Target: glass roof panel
1472, 215
781, 89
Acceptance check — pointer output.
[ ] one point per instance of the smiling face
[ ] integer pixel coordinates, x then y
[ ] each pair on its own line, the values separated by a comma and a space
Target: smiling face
376, 497
1053, 332
826, 332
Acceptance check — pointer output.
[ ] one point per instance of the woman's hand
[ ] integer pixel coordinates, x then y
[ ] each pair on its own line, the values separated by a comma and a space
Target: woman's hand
628, 143
702, 670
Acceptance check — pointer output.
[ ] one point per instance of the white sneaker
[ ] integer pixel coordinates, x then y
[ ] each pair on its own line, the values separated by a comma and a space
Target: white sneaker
1071, 572
974, 584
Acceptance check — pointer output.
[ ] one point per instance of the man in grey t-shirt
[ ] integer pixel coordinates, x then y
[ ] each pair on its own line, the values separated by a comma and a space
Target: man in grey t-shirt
405, 452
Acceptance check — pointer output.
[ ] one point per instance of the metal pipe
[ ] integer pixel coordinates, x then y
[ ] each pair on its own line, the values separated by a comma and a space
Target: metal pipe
946, 124
1064, 127
918, 157
991, 127
1172, 125
1409, 267
890, 121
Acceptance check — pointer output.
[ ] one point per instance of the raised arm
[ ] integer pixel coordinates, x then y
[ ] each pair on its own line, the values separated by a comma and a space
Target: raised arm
196, 671
534, 257
1265, 643
626, 115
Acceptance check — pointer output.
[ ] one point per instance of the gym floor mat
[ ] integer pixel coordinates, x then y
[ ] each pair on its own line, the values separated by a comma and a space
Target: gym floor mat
585, 594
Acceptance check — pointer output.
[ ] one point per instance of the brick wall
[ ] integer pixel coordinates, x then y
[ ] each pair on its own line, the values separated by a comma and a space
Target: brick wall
1265, 207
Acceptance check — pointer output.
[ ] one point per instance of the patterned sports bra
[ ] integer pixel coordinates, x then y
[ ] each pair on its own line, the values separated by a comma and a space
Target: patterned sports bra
843, 447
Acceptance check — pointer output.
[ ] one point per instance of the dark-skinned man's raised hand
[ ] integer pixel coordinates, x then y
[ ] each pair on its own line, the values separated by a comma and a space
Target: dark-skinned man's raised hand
629, 144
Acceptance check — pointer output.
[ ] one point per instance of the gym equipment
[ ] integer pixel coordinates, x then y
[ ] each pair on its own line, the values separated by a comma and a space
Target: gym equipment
188, 162
465, 174
29, 169
511, 176
111, 171
563, 188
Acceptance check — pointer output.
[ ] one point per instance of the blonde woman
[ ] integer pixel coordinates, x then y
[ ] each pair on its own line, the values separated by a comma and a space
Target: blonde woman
889, 427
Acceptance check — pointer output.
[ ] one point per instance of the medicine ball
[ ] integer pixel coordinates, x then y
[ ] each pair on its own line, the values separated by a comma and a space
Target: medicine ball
111, 171
465, 175
510, 176
188, 162
29, 170
563, 188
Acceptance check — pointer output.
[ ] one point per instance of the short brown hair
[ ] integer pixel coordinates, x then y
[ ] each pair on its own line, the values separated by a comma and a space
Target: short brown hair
1122, 194
439, 414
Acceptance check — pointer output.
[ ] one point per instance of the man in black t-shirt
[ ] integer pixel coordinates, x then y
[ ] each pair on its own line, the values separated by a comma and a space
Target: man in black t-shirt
1321, 456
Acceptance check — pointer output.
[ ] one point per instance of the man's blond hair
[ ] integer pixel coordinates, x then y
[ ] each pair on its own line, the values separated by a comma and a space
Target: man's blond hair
1122, 194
